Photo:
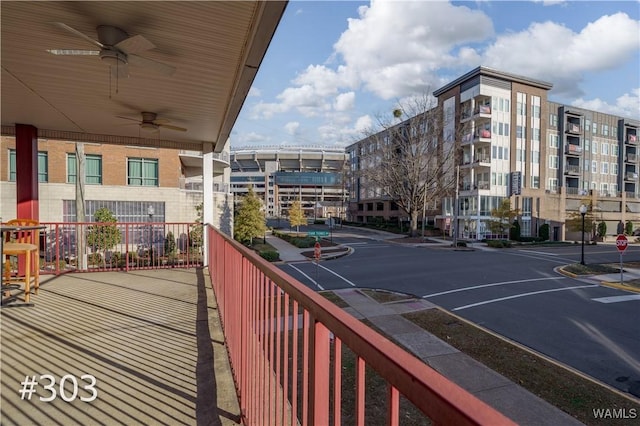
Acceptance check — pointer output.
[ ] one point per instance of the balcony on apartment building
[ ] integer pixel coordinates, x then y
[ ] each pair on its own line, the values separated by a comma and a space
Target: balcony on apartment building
479, 160
572, 169
631, 158
473, 186
631, 176
482, 135
572, 149
572, 128
631, 139
197, 186
192, 162
478, 107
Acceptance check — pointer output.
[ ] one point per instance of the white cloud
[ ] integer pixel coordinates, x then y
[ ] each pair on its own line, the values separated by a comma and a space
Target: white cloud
344, 101
627, 105
254, 92
555, 53
550, 2
292, 127
395, 48
251, 138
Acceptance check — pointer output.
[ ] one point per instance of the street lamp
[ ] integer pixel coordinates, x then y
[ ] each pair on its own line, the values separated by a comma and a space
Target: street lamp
583, 211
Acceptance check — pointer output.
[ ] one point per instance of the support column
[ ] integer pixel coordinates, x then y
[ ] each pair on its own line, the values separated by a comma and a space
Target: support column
207, 194
27, 172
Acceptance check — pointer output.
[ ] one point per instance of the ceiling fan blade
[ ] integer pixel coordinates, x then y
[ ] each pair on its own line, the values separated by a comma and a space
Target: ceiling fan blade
161, 121
73, 52
78, 33
170, 127
120, 71
128, 118
151, 64
135, 44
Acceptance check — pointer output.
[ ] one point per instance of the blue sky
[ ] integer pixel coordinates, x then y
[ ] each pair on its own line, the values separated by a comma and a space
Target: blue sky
335, 67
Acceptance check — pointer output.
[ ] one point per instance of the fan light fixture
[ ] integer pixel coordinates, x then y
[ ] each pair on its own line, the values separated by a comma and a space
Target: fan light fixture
112, 57
148, 126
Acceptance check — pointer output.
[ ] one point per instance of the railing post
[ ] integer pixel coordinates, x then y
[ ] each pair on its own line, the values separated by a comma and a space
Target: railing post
319, 365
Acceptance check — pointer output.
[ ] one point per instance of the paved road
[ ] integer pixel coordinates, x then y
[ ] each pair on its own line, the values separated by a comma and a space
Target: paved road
514, 292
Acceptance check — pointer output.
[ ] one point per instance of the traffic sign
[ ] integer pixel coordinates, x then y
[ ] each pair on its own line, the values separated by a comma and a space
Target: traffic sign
318, 234
621, 243
317, 251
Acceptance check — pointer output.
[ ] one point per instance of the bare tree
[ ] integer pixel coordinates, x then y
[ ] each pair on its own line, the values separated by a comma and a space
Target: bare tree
412, 160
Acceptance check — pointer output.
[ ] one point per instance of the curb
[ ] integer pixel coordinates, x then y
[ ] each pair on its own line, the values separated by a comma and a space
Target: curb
619, 286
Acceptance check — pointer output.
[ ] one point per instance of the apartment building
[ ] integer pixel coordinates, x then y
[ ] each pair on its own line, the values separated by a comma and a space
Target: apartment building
547, 158
138, 184
280, 176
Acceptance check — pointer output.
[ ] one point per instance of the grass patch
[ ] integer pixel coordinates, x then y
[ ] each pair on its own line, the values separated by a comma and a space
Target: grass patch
332, 297
596, 268
568, 391
382, 296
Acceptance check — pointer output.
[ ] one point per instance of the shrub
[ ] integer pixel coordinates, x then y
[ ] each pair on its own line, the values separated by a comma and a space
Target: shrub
499, 243
628, 228
461, 244
530, 239
94, 258
115, 258
514, 231
169, 243
270, 255
543, 232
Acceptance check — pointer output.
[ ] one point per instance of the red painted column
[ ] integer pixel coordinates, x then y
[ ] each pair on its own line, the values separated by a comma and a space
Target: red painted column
27, 172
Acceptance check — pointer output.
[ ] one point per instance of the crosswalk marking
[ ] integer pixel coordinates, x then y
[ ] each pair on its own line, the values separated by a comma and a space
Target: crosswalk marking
616, 299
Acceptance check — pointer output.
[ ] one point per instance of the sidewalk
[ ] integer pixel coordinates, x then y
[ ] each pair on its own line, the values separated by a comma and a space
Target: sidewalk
504, 395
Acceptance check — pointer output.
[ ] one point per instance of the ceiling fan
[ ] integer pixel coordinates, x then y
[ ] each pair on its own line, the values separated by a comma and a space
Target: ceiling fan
151, 122
117, 49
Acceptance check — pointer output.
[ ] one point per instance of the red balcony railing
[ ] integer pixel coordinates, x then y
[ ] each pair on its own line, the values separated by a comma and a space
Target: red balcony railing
285, 345
93, 247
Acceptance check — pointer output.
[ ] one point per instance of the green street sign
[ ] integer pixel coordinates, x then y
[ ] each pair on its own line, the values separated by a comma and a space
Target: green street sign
318, 234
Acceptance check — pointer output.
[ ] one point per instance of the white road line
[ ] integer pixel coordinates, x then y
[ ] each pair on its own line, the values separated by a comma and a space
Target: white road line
459, 308
539, 252
308, 277
563, 260
616, 299
491, 285
337, 275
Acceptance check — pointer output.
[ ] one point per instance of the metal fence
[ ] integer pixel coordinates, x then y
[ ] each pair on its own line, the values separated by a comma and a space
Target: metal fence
93, 247
291, 352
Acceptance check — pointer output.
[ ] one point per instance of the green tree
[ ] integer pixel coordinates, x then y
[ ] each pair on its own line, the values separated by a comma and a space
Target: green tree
574, 219
602, 229
628, 228
296, 215
250, 221
196, 234
503, 216
105, 234
543, 232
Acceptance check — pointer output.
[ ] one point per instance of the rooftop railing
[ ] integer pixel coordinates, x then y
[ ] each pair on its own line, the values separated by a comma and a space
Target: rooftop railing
286, 347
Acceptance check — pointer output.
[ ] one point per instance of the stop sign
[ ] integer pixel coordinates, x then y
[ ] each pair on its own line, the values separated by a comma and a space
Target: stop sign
621, 243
